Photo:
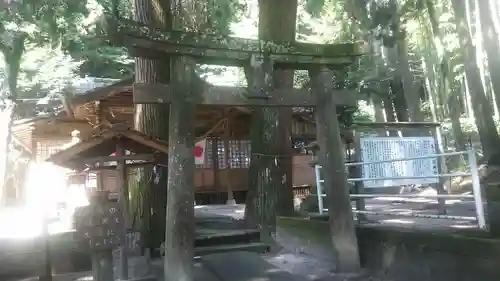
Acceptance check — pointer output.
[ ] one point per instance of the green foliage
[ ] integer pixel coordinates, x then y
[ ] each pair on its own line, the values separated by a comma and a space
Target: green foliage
314, 7
28, 25
45, 71
222, 13
99, 59
50, 21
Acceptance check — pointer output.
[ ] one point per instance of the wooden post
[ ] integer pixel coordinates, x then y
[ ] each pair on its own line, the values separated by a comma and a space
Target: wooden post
227, 157
98, 121
215, 163
357, 172
46, 274
121, 180
441, 169
342, 225
264, 169
180, 219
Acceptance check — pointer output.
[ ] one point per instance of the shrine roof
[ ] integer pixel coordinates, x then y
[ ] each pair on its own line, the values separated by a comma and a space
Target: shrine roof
104, 143
103, 92
118, 99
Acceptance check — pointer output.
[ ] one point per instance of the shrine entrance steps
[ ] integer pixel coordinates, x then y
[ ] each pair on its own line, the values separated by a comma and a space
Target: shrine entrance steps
221, 241
230, 240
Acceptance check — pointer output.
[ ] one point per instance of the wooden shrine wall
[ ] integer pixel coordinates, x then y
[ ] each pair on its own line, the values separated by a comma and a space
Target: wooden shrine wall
303, 173
301, 127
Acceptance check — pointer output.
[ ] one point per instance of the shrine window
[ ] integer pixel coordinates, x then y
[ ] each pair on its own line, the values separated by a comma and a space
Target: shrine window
47, 148
239, 154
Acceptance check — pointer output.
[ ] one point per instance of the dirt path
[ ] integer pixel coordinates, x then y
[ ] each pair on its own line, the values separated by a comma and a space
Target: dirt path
302, 257
313, 260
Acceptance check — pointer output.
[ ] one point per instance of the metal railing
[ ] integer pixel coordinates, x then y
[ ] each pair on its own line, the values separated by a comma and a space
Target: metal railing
473, 173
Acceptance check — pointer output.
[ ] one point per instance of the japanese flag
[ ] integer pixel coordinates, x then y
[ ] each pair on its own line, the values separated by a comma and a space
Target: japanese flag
199, 152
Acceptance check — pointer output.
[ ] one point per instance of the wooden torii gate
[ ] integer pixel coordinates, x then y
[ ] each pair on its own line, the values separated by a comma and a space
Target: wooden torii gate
259, 59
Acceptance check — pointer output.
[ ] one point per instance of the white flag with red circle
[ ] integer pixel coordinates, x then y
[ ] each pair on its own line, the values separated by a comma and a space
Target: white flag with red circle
199, 152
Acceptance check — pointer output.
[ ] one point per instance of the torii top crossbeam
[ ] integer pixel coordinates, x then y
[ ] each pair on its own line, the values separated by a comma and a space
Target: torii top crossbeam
259, 58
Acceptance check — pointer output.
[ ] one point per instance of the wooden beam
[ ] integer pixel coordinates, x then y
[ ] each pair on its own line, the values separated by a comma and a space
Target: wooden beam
159, 145
231, 50
136, 157
124, 198
114, 167
227, 158
238, 96
102, 92
62, 156
215, 163
215, 127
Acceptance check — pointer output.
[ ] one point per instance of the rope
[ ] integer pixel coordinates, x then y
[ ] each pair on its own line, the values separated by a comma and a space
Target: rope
271, 155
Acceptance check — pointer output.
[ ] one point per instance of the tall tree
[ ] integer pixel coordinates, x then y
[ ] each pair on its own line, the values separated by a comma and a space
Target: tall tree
491, 45
152, 119
483, 112
12, 54
280, 29
270, 128
446, 77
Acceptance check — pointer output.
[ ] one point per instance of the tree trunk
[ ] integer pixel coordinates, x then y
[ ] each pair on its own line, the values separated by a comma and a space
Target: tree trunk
429, 76
491, 46
280, 29
446, 78
377, 108
495, 5
454, 106
411, 95
12, 60
399, 100
483, 112
152, 119
268, 193
466, 98
396, 86
389, 110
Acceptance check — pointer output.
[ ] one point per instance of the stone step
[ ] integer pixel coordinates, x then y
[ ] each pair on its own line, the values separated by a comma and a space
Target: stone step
256, 247
227, 237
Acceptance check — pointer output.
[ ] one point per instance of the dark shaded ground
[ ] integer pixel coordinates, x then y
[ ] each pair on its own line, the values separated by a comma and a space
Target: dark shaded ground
301, 253
303, 256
